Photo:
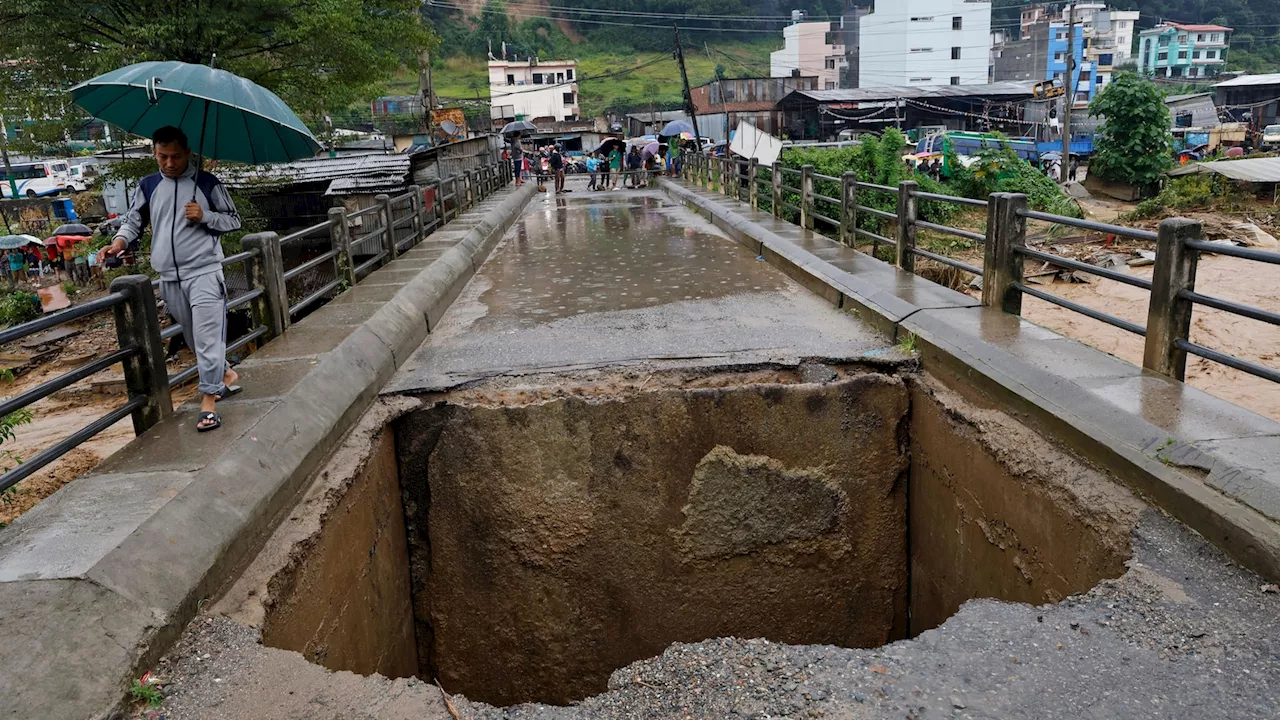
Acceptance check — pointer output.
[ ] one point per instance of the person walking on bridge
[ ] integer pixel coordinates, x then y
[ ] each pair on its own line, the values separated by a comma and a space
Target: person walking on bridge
188, 210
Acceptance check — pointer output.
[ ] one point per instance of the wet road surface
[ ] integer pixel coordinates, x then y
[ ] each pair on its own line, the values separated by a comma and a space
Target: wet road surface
625, 278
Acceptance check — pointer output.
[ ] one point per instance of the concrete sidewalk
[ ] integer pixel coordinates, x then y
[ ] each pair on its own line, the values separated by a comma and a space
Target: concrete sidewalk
100, 578
1211, 464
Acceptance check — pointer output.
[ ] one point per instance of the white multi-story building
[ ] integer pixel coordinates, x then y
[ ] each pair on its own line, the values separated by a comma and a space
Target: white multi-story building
810, 49
1111, 40
533, 89
925, 42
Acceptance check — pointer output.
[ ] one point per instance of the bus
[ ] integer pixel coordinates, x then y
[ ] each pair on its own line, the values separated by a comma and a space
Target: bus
39, 178
968, 144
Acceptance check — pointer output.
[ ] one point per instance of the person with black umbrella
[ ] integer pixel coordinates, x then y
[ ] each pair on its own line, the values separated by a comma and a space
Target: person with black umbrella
517, 158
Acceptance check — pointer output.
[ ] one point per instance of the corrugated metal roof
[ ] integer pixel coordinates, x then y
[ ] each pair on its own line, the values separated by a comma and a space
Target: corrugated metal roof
317, 169
1180, 98
1261, 170
1246, 80
919, 92
365, 185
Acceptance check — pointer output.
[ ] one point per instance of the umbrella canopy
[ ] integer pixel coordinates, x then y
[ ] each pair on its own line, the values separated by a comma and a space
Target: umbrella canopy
642, 141
225, 116
675, 127
73, 229
608, 144
523, 127
10, 242
651, 149
66, 241
1051, 156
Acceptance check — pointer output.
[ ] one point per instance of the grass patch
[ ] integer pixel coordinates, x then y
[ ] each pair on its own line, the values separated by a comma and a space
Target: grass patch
152, 695
907, 343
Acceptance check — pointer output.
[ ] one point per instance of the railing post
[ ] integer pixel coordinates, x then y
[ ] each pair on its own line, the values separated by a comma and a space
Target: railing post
776, 176
469, 179
268, 274
457, 197
806, 197
389, 232
1001, 264
145, 374
848, 208
340, 237
1169, 315
753, 194
437, 204
415, 204
908, 206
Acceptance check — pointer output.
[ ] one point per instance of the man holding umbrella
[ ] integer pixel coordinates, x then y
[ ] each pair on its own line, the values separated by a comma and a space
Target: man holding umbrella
188, 210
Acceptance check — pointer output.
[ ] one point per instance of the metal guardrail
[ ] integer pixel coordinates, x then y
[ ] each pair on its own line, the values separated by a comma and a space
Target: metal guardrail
141, 341
1179, 243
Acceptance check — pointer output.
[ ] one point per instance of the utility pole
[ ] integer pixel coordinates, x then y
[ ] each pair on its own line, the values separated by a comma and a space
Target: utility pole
8, 169
1070, 98
425, 89
688, 94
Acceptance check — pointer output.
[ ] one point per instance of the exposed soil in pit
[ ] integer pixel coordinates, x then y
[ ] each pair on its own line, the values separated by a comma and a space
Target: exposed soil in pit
522, 540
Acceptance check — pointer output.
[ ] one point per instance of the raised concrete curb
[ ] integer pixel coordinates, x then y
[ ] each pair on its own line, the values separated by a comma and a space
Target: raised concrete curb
97, 581
1209, 463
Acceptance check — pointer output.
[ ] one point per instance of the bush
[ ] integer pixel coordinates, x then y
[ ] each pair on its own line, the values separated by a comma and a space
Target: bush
18, 307
1001, 170
1189, 192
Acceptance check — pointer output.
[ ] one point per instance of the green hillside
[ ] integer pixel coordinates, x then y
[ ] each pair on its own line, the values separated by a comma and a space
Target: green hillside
460, 78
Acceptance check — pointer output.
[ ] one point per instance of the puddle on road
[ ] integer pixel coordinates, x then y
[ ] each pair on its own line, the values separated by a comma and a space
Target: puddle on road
578, 257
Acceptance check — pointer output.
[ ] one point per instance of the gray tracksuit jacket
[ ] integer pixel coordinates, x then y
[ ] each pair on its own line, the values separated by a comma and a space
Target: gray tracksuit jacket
181, 249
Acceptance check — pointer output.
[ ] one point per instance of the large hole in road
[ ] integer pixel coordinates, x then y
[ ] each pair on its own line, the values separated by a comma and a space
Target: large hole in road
522, 546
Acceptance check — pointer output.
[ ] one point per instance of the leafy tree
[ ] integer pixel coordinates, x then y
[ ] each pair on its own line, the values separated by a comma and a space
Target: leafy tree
315, 54
1134, 142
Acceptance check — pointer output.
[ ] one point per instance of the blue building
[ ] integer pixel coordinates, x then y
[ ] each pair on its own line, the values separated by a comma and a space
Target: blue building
1042, 55
1085, 76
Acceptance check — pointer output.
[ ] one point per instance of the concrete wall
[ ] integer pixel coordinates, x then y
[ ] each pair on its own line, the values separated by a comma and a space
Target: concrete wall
555, 543
344, 602
997, 511
908, 43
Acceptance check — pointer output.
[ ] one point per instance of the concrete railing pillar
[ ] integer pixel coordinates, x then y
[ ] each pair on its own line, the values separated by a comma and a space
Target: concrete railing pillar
340, 237
437, 203
1001, 263
848, 208
389, 232
415, 204
753, 194
457, 196
776, 177
145, 374
268, 273
806, 197
1169, 314
908, 206
469, 189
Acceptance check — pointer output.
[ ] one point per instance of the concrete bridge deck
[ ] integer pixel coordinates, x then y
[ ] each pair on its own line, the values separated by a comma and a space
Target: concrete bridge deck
1184, 633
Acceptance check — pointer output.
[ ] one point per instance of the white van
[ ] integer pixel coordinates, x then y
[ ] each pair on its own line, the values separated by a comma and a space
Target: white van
37, 179
1271, 137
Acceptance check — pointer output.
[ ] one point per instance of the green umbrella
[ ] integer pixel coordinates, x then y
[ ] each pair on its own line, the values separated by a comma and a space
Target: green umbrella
225, 116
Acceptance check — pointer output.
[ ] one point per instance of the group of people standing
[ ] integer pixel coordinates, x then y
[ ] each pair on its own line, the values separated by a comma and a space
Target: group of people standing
604, 167
32, 265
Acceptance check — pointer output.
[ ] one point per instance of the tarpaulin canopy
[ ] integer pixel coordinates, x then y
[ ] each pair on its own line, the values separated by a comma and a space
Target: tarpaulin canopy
1259, 170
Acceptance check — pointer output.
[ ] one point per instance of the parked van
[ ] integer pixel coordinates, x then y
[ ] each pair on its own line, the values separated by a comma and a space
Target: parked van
37, 179
1271, 137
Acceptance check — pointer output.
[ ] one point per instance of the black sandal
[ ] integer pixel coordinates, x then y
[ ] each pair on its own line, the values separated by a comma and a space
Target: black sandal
207, 417
228, 391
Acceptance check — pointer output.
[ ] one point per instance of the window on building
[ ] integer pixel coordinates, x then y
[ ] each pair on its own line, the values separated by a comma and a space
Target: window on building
957, 23
1059, 35
511, 79
920, 50
1193, 72
537, 78
1162, 57
1164, 41
1182, 54
1199, 37
1123, 24
955, 53
955, 79
1195, 54
1182, 39
568, 74
922, 18
568, 98
1175, 72
1057, 76
1210, 54
831, 64
831, 85
921, 79
1215, 37
1059, 57
559, 77
1147, 45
